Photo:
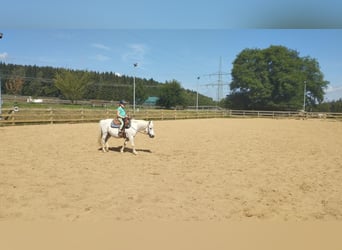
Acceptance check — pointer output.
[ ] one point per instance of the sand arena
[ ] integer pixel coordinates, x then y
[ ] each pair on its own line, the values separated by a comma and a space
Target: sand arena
193, 170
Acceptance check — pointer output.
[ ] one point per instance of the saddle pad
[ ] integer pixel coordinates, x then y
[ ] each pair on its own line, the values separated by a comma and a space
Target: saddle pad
113, 125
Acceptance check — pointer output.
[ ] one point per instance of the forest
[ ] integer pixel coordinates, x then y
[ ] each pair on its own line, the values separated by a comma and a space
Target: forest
74, 85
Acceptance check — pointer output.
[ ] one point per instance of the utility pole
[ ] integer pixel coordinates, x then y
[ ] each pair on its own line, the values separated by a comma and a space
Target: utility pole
197, 93
0, 86
0, 99
304, 96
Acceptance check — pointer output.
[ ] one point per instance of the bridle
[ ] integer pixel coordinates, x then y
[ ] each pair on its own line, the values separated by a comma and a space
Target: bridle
148, 130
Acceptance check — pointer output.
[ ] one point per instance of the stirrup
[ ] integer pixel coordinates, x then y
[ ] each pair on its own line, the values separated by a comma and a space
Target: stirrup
122, 134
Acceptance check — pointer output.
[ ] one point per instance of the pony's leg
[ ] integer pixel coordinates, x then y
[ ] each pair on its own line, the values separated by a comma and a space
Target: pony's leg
131, 139
104, 142
107, 144
124, 145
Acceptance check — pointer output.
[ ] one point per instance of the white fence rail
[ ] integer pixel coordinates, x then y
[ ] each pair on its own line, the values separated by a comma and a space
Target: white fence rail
14, 116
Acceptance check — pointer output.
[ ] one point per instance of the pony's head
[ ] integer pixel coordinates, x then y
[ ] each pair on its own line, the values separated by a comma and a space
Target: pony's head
150, 130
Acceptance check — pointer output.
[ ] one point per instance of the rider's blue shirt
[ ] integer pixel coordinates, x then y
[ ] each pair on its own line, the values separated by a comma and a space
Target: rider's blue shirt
122, 111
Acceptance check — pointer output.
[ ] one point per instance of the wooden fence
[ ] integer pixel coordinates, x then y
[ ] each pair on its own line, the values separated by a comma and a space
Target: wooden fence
15, 116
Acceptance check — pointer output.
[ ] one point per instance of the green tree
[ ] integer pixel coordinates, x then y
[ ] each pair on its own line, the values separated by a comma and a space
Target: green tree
72, 84
35, 87
275, 78
140, 92
171, 95
336, 106
15, 83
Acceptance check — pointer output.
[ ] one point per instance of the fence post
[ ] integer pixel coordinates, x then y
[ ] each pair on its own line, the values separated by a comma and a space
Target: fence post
51, 115
12, 118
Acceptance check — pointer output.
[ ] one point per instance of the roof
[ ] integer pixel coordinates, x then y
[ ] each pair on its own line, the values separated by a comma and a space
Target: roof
151, 100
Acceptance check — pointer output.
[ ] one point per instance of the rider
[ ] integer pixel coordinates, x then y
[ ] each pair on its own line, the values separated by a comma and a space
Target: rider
121, 115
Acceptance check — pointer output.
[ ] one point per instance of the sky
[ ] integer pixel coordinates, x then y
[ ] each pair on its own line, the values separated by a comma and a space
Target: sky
173, 40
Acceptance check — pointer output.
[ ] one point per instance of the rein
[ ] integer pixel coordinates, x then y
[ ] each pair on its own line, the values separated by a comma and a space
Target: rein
144, 129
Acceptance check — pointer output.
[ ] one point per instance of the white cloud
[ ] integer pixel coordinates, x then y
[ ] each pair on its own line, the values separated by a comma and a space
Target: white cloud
333, 93
3, 56
136, 53
333, 89
101, 58
100, 46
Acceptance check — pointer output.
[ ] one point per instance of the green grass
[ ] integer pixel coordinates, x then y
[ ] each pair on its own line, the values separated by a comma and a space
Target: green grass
8, 105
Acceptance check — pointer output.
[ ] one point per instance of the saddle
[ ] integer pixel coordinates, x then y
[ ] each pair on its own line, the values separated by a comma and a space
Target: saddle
116, 123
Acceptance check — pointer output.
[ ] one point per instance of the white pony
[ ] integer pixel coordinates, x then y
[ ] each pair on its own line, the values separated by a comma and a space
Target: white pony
107, 131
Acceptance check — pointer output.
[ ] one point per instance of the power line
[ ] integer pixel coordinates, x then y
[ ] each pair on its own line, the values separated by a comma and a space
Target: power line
219, 84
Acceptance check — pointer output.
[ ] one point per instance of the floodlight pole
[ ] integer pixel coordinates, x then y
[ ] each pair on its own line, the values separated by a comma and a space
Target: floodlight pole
135, 65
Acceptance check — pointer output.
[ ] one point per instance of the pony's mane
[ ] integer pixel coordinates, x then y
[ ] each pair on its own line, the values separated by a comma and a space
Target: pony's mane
137, 120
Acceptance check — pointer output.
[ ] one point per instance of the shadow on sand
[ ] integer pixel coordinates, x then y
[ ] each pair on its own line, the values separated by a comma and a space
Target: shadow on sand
117, 149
